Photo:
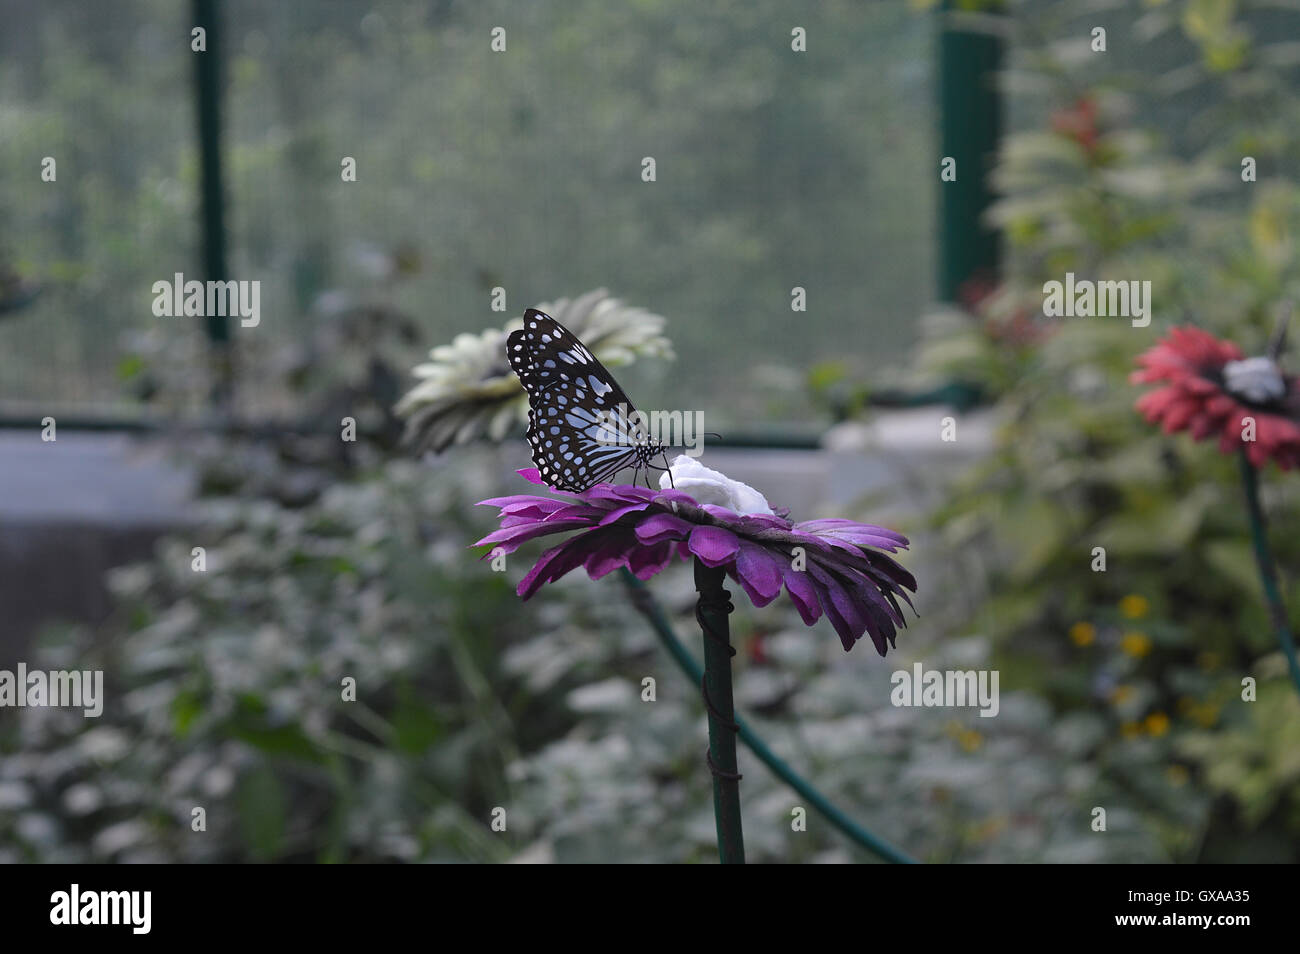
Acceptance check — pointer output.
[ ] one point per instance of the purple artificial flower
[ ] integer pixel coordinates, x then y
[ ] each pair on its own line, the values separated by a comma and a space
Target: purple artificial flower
840, 571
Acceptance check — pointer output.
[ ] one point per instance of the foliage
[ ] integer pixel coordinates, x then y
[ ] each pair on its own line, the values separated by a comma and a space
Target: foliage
225, 692
1156, 646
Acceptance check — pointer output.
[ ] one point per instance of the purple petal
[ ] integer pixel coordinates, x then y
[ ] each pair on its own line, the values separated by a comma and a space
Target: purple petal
840, 608
863, 537
512, 503
759, 572
893, 570
554, 563
803, 594
610, 555
511, 538
645, 562
668, 497
660, 527
569, 555
617, 494
755, 522
515, 520
713, 545
576, 511
839, 524
614, 515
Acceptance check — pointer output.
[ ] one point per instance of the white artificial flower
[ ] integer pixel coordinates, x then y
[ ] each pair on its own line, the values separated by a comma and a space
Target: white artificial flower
1255, 379
467, 390
710, 487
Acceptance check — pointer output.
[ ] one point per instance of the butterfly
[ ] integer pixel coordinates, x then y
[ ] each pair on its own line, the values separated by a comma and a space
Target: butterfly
582, 429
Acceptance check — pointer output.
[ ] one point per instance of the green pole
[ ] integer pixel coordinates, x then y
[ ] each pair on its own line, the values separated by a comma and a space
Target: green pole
711, 610
970, 125
1268, 569
207, 95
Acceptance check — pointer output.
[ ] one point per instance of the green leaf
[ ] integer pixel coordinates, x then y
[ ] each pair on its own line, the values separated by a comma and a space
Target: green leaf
262, 812
1234, 560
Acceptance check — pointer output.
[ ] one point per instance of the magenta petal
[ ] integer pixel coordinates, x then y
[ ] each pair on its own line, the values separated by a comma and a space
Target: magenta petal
754, 522
755, 597
576, 511
862, 538
668, 497
803, 594
614, 515
510, 538
517, 502
553, 564
759, 572
609, 557
573, 553
645, 562
713, 545
891, 570
853, 532
515, 520
841, 610
531, 475
660, 527
617, 493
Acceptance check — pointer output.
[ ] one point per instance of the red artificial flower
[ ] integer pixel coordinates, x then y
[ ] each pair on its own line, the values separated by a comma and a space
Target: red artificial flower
1209, 388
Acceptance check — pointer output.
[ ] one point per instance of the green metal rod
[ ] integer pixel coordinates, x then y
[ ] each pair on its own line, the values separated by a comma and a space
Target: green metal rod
649, 607
207, 96
1267, 568
970, 126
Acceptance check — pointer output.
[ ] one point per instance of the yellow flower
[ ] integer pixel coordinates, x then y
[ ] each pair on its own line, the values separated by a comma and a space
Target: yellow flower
1083, 634
1204, 714
1157, 723
968, 739
990, 828
1130, 730
1136, 644
1134, 606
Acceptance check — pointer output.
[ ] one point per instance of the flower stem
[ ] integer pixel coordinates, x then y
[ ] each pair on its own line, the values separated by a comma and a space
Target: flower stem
1267, 568
711, 610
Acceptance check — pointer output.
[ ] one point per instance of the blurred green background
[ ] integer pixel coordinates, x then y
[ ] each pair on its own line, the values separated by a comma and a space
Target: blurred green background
522, 169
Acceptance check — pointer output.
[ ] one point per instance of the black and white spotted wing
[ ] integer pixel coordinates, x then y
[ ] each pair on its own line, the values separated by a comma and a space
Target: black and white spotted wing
579, 430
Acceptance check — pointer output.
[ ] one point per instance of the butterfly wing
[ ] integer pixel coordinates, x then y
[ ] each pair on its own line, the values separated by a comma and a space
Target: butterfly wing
578, 417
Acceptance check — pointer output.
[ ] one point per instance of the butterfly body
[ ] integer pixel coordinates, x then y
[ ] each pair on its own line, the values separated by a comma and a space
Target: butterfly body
582, 429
